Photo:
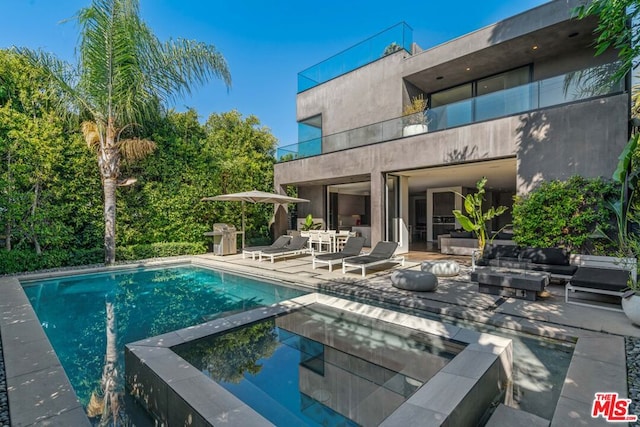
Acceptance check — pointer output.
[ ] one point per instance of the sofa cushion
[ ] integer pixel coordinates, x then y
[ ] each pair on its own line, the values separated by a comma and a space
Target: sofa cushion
501, 251
565, 270
553, 256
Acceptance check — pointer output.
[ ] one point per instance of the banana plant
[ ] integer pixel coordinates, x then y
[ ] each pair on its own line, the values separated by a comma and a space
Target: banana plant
626, 178
476, 219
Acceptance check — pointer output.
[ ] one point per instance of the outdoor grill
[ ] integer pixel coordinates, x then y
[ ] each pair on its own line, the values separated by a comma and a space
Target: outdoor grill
224, 239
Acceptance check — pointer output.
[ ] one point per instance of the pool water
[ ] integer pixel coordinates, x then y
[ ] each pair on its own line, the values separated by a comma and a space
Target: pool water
320, 366
146, 302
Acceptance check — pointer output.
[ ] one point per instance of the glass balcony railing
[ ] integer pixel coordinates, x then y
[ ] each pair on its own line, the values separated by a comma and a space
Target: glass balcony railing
571, 87
398, 37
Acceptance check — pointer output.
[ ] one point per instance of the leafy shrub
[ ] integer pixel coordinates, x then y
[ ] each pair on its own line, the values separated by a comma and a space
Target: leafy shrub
155, 250
563, 214
17, 261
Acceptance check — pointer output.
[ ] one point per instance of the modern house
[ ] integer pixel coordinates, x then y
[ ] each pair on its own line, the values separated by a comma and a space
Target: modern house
520, 102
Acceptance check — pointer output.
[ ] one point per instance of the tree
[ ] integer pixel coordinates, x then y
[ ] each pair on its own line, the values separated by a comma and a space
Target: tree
618, 27
31, 148
123, 76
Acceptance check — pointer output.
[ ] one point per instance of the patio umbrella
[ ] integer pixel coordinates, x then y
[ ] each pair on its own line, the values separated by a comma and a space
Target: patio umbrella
255, 196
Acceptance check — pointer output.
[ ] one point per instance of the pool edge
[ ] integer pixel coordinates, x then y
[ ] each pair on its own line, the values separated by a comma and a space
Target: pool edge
172, 389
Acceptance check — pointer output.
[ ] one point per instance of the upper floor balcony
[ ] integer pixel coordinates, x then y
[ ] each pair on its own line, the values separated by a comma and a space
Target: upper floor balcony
398, 37
562, 89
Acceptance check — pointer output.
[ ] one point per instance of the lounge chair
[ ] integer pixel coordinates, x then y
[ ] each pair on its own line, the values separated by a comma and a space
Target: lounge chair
352, 248
298, 245
381, 254
280, 242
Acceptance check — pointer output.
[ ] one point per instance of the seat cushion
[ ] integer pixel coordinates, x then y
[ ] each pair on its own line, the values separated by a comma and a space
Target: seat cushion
553, 256
608, 279
565, 270
411, 280
441, 268
501, 251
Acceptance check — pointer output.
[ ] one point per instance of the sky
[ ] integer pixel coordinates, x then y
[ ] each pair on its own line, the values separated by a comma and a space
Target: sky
265, 43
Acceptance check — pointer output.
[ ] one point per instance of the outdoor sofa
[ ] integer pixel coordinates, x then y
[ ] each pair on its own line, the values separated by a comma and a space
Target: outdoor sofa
555, 261
382, 253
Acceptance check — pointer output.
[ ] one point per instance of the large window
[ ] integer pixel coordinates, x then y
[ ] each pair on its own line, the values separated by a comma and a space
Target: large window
503, 94
495, 96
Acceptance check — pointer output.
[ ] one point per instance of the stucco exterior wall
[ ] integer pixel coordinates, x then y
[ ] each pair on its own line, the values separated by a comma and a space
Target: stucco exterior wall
583, 138
374, 94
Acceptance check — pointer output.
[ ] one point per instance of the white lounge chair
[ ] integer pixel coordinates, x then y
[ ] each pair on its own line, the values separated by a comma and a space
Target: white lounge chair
382, 253
352, 248
297, 246
280, 242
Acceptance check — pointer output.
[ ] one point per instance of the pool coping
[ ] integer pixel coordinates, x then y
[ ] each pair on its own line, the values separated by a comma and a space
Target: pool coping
458, 394
594, 351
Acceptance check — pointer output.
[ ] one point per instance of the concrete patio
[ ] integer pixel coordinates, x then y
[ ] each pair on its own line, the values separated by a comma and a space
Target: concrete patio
598, 363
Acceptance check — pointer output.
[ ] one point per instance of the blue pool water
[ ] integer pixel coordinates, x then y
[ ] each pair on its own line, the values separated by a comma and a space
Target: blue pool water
319, 366
147, 302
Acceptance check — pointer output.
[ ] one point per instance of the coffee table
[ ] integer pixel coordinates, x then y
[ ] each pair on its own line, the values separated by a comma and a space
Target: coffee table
513, 283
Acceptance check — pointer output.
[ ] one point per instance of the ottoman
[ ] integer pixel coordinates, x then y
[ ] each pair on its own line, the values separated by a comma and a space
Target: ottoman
441, 268
411, 280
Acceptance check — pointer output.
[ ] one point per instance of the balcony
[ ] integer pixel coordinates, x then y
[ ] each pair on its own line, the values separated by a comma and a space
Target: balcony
575, 86
398, 37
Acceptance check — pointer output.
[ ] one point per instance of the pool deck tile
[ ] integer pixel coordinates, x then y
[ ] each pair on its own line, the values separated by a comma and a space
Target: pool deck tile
41, 395
470, 364
573, 413
33, 356
443, 392
411, 413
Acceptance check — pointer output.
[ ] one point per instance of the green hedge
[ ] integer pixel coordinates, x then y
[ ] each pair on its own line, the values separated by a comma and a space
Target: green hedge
563, 214
17, 261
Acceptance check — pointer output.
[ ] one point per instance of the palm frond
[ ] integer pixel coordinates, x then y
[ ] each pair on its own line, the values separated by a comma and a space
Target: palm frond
62, 76
91, 134
136, 148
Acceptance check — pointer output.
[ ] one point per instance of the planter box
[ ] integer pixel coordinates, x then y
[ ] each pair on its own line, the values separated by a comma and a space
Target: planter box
414, 130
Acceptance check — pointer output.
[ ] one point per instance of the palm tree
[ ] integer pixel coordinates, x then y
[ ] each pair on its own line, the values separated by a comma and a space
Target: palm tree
123, 76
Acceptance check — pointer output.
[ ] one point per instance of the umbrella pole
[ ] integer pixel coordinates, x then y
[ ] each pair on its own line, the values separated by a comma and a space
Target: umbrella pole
243, 225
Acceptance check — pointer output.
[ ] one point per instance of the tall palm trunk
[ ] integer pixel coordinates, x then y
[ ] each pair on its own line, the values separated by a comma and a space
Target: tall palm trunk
109, 163
109, 185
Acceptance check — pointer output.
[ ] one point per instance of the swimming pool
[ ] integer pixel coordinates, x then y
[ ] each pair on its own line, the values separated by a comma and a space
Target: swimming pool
146, 302
320, 366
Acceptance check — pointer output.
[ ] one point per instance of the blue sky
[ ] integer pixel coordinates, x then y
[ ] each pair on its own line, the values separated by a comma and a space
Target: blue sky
266, 43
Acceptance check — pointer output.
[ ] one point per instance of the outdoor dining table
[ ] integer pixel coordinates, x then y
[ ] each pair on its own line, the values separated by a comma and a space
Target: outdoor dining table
336, 239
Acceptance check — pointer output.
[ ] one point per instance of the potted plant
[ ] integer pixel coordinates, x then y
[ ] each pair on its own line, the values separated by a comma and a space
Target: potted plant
310, 225
415, 116
475, 219
391, 48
